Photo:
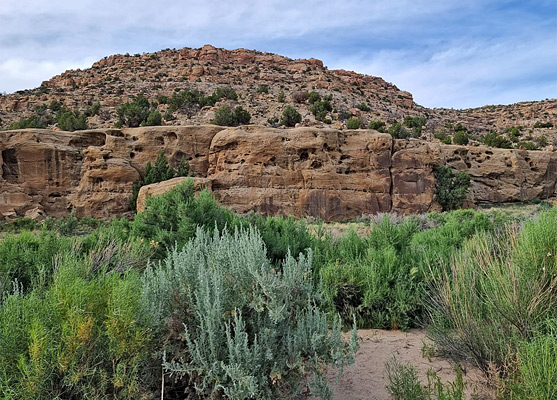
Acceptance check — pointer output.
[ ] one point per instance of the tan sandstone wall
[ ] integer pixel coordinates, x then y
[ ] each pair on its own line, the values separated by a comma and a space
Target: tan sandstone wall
326, 173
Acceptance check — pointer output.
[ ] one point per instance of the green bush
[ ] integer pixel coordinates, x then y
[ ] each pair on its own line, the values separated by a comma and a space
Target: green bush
537, 375
71, 120
313, 97
370, 278
153, 119
527, 145
353, 123
382, 278
495, 140
405, 385
443, 137
543, 125
160, 172
541, 141
377, 125
498, 293
133, 113
281, 98
29, 258
320, 108
397, 131
263, 88
416, 123
249, 330
225, 92
461, 138
363, 107
225, 116
451, 188
81, 337
290, 117
34, 121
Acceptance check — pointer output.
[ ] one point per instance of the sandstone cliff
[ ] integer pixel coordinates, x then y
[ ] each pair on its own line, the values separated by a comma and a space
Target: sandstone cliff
326, 173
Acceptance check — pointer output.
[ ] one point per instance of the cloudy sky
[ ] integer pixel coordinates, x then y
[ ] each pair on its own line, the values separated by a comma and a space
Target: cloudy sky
448, 53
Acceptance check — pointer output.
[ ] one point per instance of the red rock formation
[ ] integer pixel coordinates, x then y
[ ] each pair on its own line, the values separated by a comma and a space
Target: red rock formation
325, 173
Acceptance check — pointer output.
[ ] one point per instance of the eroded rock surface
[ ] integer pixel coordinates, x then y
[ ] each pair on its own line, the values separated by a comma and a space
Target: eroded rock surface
325, 173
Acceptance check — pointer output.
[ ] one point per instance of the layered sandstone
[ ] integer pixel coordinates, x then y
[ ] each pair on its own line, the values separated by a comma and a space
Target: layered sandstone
325, 173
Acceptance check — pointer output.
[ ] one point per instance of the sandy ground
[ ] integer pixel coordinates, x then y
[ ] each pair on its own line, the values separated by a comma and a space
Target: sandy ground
367, 378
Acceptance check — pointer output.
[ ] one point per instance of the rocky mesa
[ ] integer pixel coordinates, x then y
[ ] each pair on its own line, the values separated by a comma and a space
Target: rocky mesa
320, 172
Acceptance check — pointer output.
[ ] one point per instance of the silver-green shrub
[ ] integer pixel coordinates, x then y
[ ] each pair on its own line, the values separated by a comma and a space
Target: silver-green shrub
250, 330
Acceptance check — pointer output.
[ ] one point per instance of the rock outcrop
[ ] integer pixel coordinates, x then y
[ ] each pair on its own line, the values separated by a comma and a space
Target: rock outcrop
265, 84
325, 173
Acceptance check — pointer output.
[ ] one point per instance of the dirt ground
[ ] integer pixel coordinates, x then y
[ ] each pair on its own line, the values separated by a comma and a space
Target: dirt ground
367, 378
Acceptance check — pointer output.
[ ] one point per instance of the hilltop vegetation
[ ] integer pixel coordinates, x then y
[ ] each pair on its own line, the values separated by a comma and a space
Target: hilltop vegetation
252, 307
193, 86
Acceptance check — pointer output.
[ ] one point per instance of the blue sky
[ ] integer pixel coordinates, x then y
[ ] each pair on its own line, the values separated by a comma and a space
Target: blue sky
446, 53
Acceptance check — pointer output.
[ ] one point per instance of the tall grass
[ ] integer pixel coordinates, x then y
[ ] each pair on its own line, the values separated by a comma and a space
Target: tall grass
494, 303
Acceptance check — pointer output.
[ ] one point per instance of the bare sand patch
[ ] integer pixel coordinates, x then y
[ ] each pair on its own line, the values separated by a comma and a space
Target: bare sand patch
367, 378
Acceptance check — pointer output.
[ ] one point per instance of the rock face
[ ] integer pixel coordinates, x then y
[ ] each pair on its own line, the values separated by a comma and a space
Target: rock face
325, 173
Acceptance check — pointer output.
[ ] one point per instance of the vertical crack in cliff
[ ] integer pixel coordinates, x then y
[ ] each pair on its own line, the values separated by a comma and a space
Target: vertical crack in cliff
391, 187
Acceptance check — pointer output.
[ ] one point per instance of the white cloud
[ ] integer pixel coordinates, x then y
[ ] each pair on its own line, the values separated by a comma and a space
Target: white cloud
463, 75
20, 73
449, 53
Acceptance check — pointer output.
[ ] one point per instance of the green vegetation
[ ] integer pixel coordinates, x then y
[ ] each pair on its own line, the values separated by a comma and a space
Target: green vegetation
451, 188
543, 125
377, 125
290, 117
320, 107
527, 145
405, 385
363, 107
443, 136
353, 123
497, 304
416, 123
313, 97
495, 140
66, 119
161, 171
226, 116
263, 88
188, 297
514, 133
196, 99
397, 131
91, 322
239, 311
138, 111
461, 138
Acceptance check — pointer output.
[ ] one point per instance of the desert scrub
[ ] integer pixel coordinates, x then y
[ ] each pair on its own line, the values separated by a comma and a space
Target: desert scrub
499, 293
80, 337
28, 258
172, 218
382, 277
404, 384
250, 329
536, 377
